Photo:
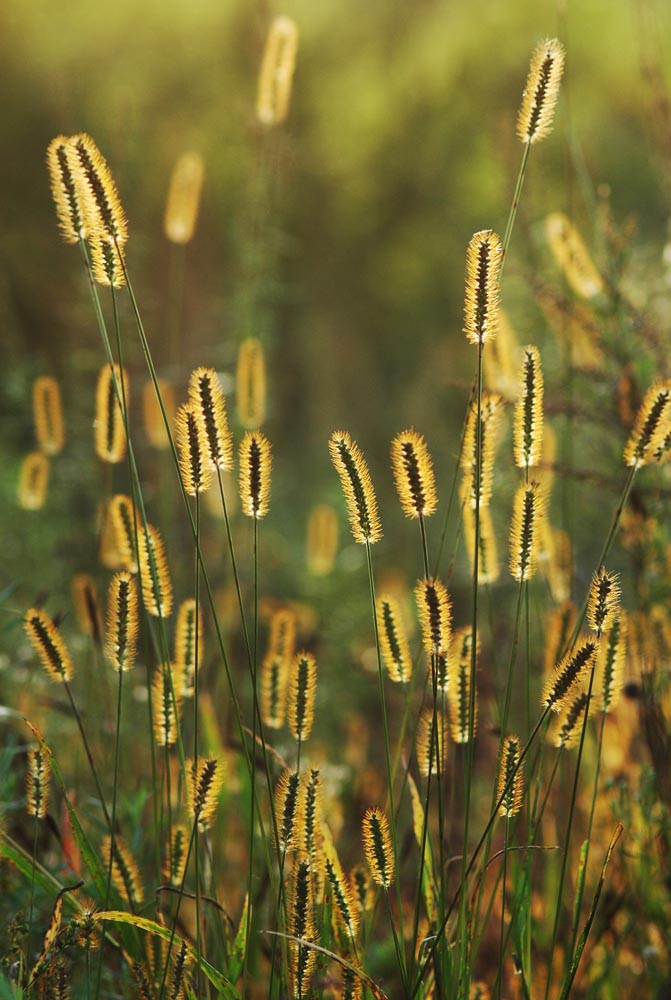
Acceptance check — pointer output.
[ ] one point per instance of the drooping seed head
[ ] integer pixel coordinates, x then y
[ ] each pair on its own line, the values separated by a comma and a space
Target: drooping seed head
539, 99
154, 573
491, 411
109, 431
604, 600
568, 728
528, 422
435, 615
49, 645
48, 415
277, 71
301, 695
206, 393
378, 847
393, 640
561, 685
528, 511
481, 308
510, 785
194, 462
322, 540
206, 778
413, 474
38, 777
66, 193
33, 481
651, 425
357, 486
181, 210
102, 206
255, 462
612, 657
572, 256
250, 384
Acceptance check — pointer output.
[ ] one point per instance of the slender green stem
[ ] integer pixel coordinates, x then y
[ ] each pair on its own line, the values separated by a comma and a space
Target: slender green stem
89, 755
255, 713
512, 215
32, 884
503, 903
196, 748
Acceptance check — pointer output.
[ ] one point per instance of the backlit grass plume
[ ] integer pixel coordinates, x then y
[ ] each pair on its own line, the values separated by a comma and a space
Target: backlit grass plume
206, 393
103, 209
66, 194
322, 539
106, 262
459, 688
435, 615
481, 307
122, 519
275, 667
175, 861
49, 645
125, 872
610, 666
488, 558
87, 608
301, 695
122, 621
568, 728
377, 846
357, 486
558, 625
604, 601
510, 782
277, 71
194, 462
109, 432
33, 481
181, 210
166, 704
188, 635
528, 422
413, 474
491, 411
301, 926
287, 803
205, 781
528, 510
431, 742
48, 415
309, 829
255, 465
250, 384
539, 99
572, 256
651, 425
342, 894
38, 777
393, 641
154, 573
560, 686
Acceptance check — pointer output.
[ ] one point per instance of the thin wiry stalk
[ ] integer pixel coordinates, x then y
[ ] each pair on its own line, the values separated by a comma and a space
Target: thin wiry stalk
195, 719
514, 206
89, 755
255, 711
32, 884
503, 904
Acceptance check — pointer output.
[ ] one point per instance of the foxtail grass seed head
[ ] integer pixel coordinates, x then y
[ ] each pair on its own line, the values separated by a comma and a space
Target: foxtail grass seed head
377, 846
610, 666
510, 785
344, 903
38, 777
363, 887
322, 539
301, 905
604, 601
282, 638
122, 519
87, 606
154, 573
483, 264
206, 394
33, 481
48, 415
536, 114
528, 511
572, 256
435, 615
122, 621
431, 744
106, 262
287, 804
652, 424
103, 209
528, 422
274, 678
166, 704
309, 832
357, 486
177, 983
188, 638
181, 210
459, 688
393, 641
413, 474
154, 423
65, 191
277, 72
194, 463
491, 411
301, 695
255, 462
175, 861
561, 685
568, 727
206, 778
489, 569
250, 384
49, 645
109, 432
125, 872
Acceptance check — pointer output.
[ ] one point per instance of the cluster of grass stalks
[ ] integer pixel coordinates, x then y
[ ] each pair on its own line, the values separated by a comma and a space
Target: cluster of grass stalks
189, 825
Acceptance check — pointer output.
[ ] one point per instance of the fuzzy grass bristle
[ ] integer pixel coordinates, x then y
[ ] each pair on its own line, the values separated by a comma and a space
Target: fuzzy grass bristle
177, 984
435, 615
125, 872
568, 727
250, 384
87, 606
651, 425
604, 600
491, 411
48, 415
65, 191
558, 625
322, 539
255, 462
33, 483
481, 307
49, 645
413, 474
309, 828
357, 486
500, 373
194, 463
154, 424
166, 704
459, 689
301, 695
528, 511
528, 421
431, 742
536, 114
122, 621
377, 846
154, 573
102, 206
560, 686
301, 926
489, 568
188, 638
610, 665
342, 894
175, 862
121, 515
510, 783
287, 807
38, 777
393, 640
274, 681
205, 781
572, 256
206, 393
183, 202
106, 262
109, 431
277, 71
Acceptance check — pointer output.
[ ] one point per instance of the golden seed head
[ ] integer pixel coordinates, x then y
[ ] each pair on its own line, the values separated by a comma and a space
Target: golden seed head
481, 308
194, 463
413, 474
166, 704
322, 540
491, 411
575, 325
342, 895
610, 666
560, 686
301, 925
488, 558
48, 415
572, 256
539, 99
377, 846
357, 486
250, 384
528, 422
38, 777
459, 686
435, 615
604, 600
528, 511
109, 431
277, 71
181, 210
33, 481
154, 423
103, 210
106, 262
125, 872
87, 608
206, 779
652, 424
431, 743
393, 640
255, 462
309, 830
154, 573
49, 645
122, 519
510, 785
287, 803
188, 643
274, 679
122, 621
567, 730
66, 193
175, 861
301, 695
206, 393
